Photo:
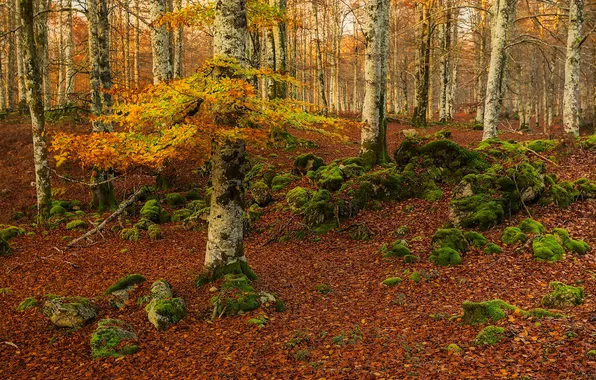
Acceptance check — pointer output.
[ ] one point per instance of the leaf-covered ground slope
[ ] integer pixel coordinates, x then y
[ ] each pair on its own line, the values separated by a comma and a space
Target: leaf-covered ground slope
340, 321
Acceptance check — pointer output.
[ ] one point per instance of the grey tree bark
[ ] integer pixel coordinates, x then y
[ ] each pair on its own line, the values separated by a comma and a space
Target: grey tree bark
319, 54
571, 97
160, 44
422, 78
503, 10
225, 237
373, 145
33, 86
178, 44
21, 91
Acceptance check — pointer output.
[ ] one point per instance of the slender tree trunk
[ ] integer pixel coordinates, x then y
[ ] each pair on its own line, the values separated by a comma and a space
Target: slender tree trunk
445, 63
502, 12
571, 97
68, 55
137, 62
160, 44
33, 86
22, 93
225, 247
178, 45
319, 54
373, 146
41, 24
11, 63
281, 53
356, 71
2, 85
61, 81
419, 117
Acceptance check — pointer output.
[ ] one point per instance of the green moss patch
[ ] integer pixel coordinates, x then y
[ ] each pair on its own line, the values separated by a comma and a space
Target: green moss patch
492, 249
476, 239
125, 282
113, 338
9, 232
513, 235
281, 181
490, 335
563, 296
307, 162
541, 146
577, 246
76, 224
397, 249
130, 234
476, 313
154, 212
261, 193
410, 259
4, 247
445, 256
547, 248
329, 177
175, 199
27, 303
154, 232
531, 226
392, 281
450, 238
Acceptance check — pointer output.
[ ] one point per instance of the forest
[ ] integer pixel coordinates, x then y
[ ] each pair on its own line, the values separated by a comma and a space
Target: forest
280, 189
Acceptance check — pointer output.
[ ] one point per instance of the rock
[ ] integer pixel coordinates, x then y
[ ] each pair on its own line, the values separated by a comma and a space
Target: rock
69, 312
577, 246
547, 248
476, 313
398, 249
163, 310
392, 281
297, 198
175, 199
476, 239
449, 237
530, 226
563, 296
329, 177
445, 256
513, 235
113, 338
409, 133
154, 232
261, 193
306, 162
490, 335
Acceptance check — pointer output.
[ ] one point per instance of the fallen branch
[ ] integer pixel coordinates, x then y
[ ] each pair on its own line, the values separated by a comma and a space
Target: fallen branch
133, 198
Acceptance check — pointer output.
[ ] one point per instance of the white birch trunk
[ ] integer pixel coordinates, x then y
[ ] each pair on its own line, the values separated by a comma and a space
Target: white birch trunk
21, 91
178, 45
571, 95
33, 86
502, 12
160, 44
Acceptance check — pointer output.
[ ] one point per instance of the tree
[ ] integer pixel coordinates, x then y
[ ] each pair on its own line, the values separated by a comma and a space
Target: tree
33, 86
424, 9
373, 146
572, 68
503, 13
160, 44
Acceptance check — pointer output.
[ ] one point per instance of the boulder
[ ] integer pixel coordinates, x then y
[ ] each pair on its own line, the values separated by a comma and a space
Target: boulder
72, 312
563, 296
114, 338
261, 193
163, 310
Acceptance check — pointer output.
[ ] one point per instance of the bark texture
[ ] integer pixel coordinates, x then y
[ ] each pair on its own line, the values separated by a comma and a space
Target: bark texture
160, 44
572, 68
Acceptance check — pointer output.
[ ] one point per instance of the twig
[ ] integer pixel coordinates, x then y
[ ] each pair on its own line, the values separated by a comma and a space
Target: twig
133, 198
82, 182
542, 157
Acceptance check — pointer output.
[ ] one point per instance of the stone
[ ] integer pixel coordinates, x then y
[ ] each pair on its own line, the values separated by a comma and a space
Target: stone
113, 338
72, 312
261, 193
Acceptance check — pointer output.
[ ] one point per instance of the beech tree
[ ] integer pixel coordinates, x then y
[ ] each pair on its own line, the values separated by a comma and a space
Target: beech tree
33, 86
572, 67
160, 44
373, 146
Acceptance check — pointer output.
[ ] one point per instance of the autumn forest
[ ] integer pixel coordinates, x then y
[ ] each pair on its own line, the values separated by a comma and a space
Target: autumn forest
279, 189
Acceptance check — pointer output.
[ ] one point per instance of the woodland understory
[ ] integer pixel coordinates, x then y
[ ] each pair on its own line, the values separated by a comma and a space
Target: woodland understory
338, 319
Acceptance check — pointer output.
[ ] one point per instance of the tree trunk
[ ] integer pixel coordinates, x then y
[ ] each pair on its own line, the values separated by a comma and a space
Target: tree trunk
160, 44
373, 146
571, 96
225, 247
11, 63
319, 54
281, 53
22, 93
33, 86
423, 64
137, 57
502, 12
41, 24
178, 45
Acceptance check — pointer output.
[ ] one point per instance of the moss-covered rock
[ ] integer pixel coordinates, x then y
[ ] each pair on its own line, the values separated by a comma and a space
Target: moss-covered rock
298, 198
9, 232
57, 210
561, 194
175, 199
541, 146
398, 249
450, 237
547, 248
154, 232
592, 353
236, 296
113, 338
577, 246
453, 348
490, 335
163, 310
71, 312
476, 313
308, 161
410, 259
180, 215
480, 211
351, 171
492, 249
154, 212
329, 177
281, 181
126, 282
361, 232
445, 256
392, 281
76, 224
415, 277
476, 239
531, 226
192, 195
27, 303
513, 235
319, 209
589, 142
563, 296
4, 247
261, 193
130, 234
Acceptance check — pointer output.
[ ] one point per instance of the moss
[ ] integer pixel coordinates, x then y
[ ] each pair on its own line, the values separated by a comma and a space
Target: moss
27, 303
125, 282
561, 194
76, 224
450, 238
443, 134
563, 296
490, 335
351, 171
154, 232
547, 248
454, 348
577, 246
319, 210
236, 268
416, 277
175, 199
445, 256
4, 247
143, 224
173, 309
589, 142
236, 296
586, 188
9, 232
192, 195
260, 193
477, 211
197, 205
297, 198
353, 161
492, 248
281, 181
513, 235
131, 234
329, 177
323, 288
392, 281
592, 353
306, 162
180, 215
151, 210
398, 249
476, 239
542, 313
57, 210
476, 313
541, 146
361, 232
410, 259
113, 338
531, 226
432, 195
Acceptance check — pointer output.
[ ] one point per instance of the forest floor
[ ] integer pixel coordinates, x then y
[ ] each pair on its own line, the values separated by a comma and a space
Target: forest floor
359, 329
